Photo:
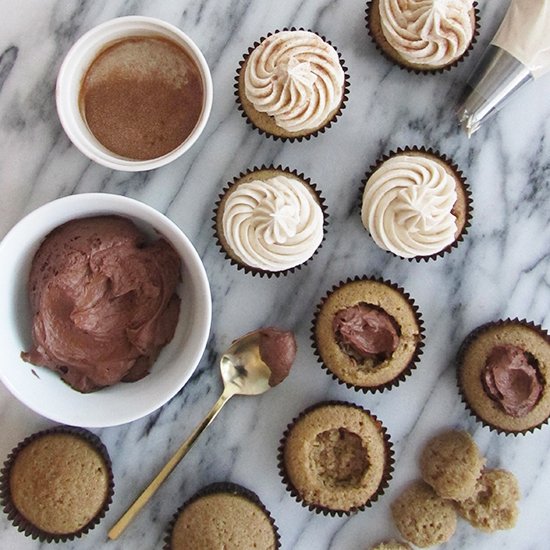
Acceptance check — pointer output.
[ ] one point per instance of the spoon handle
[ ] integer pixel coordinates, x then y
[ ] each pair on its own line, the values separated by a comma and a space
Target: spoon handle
151, 489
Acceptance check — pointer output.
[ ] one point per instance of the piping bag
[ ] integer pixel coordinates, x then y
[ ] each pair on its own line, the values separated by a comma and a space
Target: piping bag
518, 54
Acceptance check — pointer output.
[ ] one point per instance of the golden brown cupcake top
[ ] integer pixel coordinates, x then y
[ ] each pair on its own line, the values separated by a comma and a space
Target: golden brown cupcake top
422, 517
223, 520
493, 506
59, 482
451, 464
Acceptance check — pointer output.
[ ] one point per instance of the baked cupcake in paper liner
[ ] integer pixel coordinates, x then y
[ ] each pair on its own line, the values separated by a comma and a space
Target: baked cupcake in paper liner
222, 514
503, 374
416, 204
336, 458
292, 84
368, 334
423, 36
270, 221
57, 484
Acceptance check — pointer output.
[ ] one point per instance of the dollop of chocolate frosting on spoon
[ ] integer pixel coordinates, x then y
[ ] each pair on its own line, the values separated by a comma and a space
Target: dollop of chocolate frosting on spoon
277, 351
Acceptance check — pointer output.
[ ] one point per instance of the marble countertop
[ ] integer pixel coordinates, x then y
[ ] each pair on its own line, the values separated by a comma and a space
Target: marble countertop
502, 269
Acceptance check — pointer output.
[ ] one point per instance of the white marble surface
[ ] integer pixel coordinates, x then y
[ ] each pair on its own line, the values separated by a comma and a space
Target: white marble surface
502, 268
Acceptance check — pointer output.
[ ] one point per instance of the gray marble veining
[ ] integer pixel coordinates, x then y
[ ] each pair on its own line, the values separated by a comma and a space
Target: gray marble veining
501, 269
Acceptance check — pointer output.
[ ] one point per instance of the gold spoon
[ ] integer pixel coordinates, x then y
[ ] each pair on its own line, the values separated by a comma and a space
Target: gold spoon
244, 373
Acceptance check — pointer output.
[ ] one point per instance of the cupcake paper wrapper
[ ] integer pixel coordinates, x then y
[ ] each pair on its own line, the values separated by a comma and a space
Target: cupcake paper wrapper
222, 487
19, 521
328, 124
407, 371
458, 173
317, 508
418, 70
255, 270
459, 361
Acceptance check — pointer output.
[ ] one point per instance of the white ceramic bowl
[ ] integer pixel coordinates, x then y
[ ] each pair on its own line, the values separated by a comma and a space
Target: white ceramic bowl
43, 390
75, 65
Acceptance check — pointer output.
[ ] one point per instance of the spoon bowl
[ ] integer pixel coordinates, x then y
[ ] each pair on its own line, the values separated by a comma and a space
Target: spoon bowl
242, 367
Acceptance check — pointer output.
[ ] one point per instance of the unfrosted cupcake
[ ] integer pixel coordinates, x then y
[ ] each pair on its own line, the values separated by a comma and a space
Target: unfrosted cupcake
504, 375
423, 35
336, 458
291, 84
57, 484
368, 334
416, 204
223, 515
270, 220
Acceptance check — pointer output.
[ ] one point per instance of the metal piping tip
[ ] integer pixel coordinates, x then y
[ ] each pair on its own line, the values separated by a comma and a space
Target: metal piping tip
496, 78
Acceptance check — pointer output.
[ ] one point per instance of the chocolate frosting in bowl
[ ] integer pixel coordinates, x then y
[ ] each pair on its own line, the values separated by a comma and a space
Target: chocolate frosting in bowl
511, 381
103, 301
365, 332
278, 351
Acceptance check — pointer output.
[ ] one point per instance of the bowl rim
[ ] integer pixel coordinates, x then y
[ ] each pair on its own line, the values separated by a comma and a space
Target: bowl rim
198, 333
68, 117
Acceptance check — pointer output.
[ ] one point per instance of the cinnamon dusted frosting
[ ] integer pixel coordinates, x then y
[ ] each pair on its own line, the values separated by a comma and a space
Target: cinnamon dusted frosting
273, 224
296, 78
511, 381
277, 351
430, 33
103, 300
364, 331
408, 206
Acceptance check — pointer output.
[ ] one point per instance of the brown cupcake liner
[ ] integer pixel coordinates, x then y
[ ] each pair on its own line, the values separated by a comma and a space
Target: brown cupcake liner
459, 362
223, 487
407, 371
317, 508
18, 520
254, 270
418, 70
328, 124
459, 175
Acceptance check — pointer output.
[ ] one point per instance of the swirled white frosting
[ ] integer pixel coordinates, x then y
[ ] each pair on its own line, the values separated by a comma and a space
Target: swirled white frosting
427, 32
295, 77
274, 224
407, 206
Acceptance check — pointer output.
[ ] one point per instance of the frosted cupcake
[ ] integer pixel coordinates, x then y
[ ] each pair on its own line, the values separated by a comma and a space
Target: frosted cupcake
416, 204
291, 84
270, 220
423, 35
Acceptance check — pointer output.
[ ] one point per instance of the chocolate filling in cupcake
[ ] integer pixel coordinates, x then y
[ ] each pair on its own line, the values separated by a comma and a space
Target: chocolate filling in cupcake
364, 331
512, 379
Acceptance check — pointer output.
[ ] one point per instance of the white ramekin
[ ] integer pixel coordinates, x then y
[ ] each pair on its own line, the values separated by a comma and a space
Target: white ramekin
73, 70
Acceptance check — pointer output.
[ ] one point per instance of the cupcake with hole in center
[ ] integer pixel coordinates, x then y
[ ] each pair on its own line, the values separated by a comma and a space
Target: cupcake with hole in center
416, 204
291, 84
423, 35
336, 458
270, 221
